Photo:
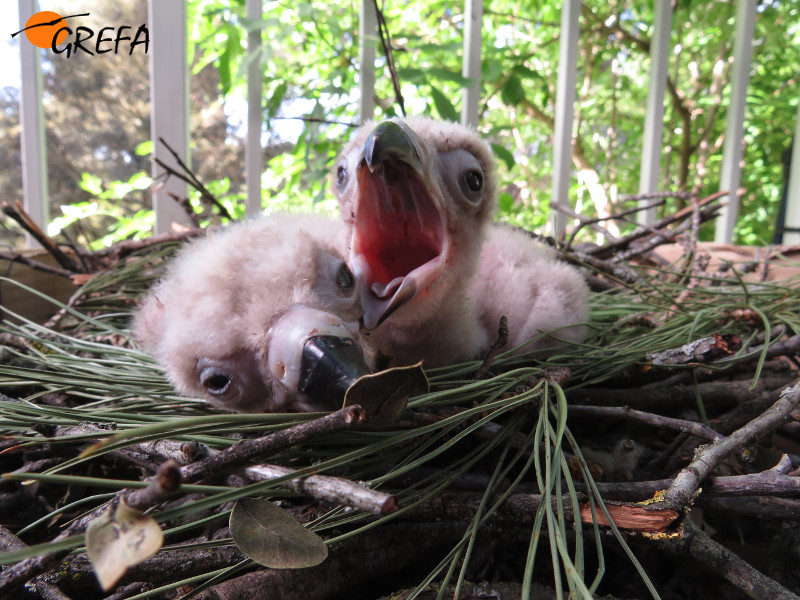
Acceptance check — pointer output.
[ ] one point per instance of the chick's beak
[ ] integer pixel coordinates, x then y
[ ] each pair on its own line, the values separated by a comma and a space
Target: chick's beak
400, 239
392, 140
313, 359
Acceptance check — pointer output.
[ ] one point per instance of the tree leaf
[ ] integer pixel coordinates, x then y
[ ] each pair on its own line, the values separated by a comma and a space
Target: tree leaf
274, 102
447, 75
505, 155
411, 75
512, 92
272, 537
116, 542
443, 105
384, 395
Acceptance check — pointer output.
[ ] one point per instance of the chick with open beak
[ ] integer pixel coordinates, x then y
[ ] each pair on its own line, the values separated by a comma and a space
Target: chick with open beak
417, 194
259, 317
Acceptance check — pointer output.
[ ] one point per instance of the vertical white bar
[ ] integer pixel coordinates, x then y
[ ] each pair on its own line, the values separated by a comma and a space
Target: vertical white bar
565, 99
471, 67
731, 174
169, 105
792, 219
654, 119
254, 157
35, 191
367, 38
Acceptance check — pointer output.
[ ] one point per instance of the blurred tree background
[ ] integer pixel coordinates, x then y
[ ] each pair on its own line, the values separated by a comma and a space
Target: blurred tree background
98, 121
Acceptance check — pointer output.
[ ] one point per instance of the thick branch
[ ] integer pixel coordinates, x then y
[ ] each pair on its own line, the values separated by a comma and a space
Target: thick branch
696, 545
680, 493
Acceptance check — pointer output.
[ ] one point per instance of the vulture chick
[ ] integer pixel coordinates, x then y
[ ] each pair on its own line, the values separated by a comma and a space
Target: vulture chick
416, 194
524, 280
260, 316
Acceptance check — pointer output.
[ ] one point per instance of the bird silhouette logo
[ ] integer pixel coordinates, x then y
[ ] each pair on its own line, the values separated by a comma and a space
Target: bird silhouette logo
48, 29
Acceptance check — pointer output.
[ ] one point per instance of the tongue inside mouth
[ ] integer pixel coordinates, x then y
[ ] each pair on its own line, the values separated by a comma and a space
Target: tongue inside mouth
399, 242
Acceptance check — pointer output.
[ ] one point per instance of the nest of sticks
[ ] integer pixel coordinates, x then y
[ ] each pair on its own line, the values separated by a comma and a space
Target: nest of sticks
658, 459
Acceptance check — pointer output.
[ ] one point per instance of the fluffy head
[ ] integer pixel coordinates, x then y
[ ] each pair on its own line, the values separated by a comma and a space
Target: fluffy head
416, 194
211, 320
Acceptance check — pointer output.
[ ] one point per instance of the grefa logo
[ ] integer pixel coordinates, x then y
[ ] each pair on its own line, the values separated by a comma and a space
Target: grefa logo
48, 29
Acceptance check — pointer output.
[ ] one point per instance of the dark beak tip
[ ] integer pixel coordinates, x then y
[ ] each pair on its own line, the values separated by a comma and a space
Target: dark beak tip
329, 366
390, 140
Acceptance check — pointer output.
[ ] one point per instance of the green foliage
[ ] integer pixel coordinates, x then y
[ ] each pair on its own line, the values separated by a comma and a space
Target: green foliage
106, 211
309, 57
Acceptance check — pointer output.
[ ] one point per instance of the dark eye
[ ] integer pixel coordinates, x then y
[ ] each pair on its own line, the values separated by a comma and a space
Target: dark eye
341, 176
474, 180
216, 381
344, 278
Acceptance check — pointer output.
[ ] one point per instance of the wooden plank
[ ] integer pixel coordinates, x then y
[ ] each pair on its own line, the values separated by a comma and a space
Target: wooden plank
792, 220
471, 64
169, 104
731, 174
35, 190
565, 99
650, 171
26, 304
254, 155
367, 40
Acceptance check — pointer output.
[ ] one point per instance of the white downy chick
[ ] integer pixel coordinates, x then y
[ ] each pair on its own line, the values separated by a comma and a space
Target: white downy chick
523, 280
398, 173
417, 194
260, 316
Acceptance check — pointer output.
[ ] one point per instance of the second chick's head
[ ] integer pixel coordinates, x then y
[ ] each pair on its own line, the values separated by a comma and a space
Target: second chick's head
250, 317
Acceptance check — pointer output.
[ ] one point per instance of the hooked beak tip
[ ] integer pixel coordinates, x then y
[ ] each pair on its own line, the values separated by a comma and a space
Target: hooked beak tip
392, 140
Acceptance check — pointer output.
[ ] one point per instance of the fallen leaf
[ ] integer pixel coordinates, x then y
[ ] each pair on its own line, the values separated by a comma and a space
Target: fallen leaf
272, 537
384, 395
116, 542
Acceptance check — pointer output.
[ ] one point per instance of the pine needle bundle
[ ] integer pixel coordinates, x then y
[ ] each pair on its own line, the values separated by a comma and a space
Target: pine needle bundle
669, 428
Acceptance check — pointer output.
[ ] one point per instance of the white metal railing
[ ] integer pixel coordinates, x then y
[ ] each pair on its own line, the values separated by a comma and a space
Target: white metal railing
169, 97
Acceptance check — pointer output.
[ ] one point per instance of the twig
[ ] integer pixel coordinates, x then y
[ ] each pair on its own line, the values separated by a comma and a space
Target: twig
48, 591
174, 564
35, 264
625, 241
308, 119
330, 489
375, 553
703, 350
594, 223
383, 32
613, 270
694, 544
663, 236
191, 179
680, 493
624, 412
250, 450
187, 209
123, 249
661, 396
20, 216
164, 484
495, 348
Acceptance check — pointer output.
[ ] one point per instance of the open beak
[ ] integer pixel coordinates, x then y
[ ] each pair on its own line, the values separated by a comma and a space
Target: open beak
400, 239
313, 357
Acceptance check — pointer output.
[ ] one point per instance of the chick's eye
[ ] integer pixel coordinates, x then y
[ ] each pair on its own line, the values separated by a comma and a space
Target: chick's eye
474, 180
344, 278
215, 381
341, 176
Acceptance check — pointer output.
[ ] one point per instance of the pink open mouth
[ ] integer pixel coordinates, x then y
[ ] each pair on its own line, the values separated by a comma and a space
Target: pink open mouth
399, 243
